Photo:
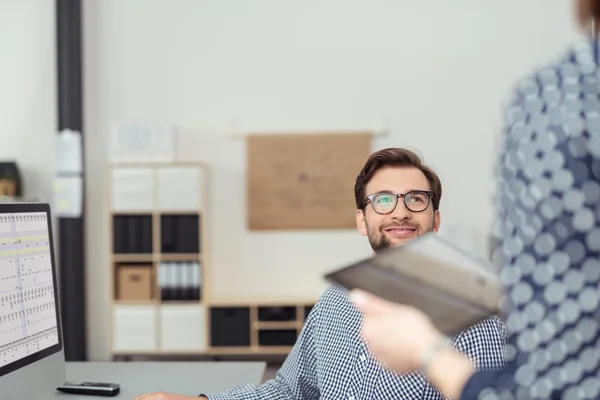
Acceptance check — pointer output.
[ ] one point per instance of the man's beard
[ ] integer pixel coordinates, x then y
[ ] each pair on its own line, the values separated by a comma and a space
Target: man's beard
382, 242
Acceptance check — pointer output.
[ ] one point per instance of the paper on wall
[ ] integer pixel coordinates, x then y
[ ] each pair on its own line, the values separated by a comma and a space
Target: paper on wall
68, 196
68, 149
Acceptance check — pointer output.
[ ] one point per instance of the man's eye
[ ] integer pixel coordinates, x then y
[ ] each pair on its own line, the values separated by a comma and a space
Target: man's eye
415, 199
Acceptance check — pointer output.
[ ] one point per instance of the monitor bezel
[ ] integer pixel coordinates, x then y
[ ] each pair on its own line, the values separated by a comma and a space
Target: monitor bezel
11, 208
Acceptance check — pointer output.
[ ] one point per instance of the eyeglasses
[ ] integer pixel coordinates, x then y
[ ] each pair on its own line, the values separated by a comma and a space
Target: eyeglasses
385, 203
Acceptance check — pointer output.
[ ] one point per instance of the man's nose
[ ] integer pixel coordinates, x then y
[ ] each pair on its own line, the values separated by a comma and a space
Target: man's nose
401, 212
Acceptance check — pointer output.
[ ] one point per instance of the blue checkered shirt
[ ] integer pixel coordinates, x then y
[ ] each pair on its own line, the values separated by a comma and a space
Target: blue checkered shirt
330, 361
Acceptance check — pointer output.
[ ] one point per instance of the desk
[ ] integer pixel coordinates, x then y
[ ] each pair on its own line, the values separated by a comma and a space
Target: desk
187, 378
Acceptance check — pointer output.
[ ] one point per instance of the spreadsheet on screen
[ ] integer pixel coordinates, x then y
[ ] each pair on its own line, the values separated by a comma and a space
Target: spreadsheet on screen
28, 322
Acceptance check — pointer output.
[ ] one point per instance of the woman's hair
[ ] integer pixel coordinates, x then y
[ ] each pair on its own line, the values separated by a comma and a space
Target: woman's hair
595, 8
588, 10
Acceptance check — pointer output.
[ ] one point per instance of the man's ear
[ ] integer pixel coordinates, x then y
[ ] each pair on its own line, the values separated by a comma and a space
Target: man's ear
436, 220
361, 224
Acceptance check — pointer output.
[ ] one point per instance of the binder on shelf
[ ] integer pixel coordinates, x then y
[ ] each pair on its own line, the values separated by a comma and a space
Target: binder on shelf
180, 234
189, 274
197, 282
163, 281
179, 281
174, 272
132, 234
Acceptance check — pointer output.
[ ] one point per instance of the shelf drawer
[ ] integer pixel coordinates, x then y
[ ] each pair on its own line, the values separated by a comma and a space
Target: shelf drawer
179, 188
182, 328
132, 189
230, 326
277, 313
134, 328
281, 337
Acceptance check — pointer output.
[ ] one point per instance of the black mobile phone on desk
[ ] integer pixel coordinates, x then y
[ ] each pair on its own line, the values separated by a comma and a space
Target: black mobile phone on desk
91, 388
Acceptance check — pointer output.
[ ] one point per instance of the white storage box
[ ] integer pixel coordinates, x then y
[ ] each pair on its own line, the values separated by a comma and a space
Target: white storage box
134, 328
132, 189
179, 188
182, 328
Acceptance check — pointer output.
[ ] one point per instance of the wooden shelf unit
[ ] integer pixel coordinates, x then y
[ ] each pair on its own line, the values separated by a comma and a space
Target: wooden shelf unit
256, 327
158, 233
141, 322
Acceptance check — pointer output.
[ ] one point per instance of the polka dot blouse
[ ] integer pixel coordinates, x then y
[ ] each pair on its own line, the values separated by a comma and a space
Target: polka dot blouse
549, 231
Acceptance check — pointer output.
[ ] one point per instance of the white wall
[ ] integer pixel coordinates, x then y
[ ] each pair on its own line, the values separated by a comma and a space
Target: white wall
28, 92
437, 70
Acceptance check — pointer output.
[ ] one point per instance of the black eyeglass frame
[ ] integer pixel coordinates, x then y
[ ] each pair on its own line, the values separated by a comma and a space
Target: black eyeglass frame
397, 196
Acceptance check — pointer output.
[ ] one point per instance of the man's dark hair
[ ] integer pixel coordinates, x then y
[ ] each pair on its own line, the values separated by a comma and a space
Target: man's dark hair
390, 158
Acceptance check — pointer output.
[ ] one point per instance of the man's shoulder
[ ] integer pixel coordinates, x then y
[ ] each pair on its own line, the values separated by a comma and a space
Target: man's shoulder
334, 296
491, 327
484, 343
335, 304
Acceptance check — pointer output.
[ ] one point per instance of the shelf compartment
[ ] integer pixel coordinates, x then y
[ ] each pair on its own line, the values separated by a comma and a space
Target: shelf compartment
134, 282
182, 328
277, 337
179, 234
180, 281
229, 326
179, 188
132, 234
132, 189
288, 313
134, 328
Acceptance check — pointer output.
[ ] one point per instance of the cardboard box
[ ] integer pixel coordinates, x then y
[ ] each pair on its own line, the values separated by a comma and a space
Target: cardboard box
134, 282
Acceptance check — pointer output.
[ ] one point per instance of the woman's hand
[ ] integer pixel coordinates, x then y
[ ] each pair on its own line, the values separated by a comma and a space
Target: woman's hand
397, 335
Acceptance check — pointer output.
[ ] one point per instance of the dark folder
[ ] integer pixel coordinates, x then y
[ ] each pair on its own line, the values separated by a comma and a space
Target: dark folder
454, 289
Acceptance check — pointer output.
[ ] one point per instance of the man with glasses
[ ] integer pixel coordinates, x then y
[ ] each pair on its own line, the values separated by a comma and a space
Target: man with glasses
397, 199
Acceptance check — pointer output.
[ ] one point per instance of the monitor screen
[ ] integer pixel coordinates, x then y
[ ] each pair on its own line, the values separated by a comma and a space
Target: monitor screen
29, 321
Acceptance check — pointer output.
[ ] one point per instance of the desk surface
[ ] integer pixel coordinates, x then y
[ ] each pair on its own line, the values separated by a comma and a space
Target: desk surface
186, 378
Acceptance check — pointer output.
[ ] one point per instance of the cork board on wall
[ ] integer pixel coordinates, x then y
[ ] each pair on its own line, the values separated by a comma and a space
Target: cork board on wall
304, 181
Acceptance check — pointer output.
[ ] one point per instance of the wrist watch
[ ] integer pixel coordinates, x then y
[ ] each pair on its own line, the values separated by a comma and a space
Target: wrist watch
431, 352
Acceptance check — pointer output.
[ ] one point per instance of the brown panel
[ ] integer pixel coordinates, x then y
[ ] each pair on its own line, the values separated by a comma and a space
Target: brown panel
304, 181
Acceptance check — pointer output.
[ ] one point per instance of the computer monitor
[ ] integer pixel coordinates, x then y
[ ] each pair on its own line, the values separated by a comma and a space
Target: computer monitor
32, 362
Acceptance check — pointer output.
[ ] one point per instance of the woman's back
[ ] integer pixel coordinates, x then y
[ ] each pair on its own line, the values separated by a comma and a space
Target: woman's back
549, 223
